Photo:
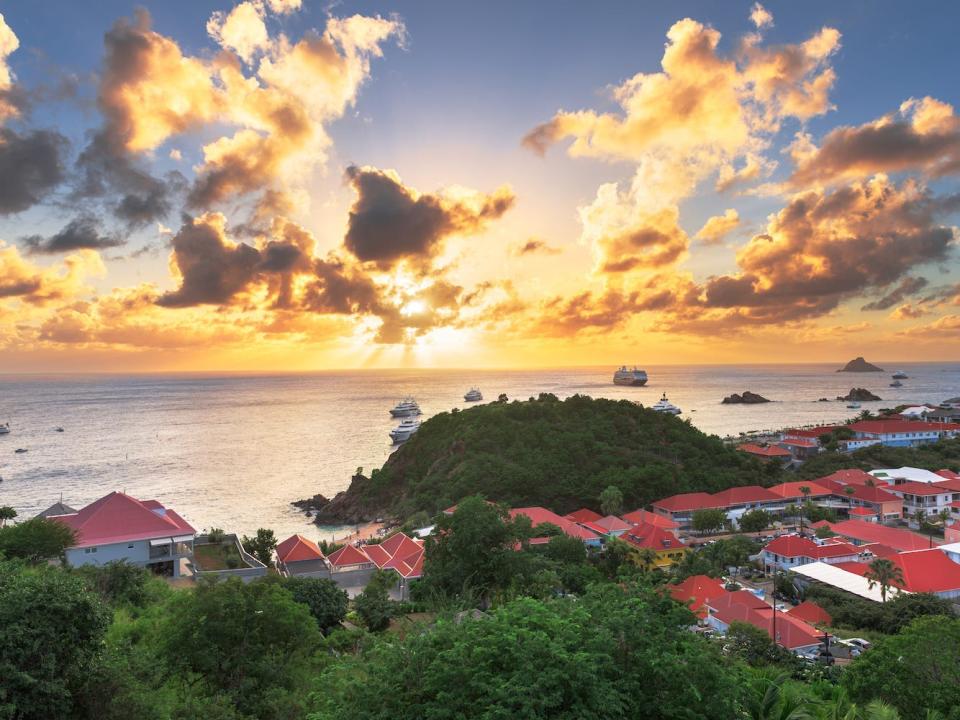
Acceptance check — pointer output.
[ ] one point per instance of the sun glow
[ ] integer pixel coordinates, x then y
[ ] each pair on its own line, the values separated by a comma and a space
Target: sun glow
413, 307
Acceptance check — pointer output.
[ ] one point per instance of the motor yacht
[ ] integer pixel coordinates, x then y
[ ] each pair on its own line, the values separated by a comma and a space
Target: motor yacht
5, 429
853, 405
406, 408
896, 383
665, 406
405, 430
899, 375
473, 395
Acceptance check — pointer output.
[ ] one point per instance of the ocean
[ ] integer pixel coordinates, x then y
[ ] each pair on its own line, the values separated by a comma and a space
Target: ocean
233, 451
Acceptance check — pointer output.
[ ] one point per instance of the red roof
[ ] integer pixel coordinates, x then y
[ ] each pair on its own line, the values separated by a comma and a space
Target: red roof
743, 606
584, 515
117, 518
862, 511
791, 490
813, 433
797, 546
296, 548
685, 501
348, 555
771, 451
539, 515
888, 427
810, 612
835, 549
851, 477
858, 568
652, 537
920, 488
607, 525
800, 442
737, 597
879, 550
744, 495
864, 493
638, 517
696, 590
896, 538
948, 474
928, 571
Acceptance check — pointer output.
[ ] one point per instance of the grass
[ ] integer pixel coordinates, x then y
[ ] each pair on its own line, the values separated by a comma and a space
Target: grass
221, 556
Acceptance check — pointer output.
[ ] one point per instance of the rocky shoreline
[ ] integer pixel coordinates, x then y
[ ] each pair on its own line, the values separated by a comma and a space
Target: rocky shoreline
747, 398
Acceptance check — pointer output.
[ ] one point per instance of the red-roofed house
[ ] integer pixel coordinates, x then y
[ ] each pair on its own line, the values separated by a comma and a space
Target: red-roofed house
812, 434
666, 547
930, 571
863, 513
899, 433
864, 491
766, 452
733, 501
790, 551
584, 515
789, 632
299, 555
349, 558
860, 532
120, 527
539, 515
609, 526
928, 498
952, 533
697, 590
680, 508
638, 517
810, 612
791, 491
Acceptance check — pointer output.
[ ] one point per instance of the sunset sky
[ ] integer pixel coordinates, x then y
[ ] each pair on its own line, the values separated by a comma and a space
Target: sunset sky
296, 185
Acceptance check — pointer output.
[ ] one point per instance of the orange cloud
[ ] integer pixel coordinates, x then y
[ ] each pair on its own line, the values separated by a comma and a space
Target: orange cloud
8, 43
718, 227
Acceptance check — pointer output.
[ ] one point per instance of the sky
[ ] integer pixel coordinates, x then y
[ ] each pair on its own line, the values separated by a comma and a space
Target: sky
296, 185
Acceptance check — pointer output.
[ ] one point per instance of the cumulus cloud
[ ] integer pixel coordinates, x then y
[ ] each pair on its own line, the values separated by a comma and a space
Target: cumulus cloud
8, 44
718, 227
390, 222
943, 328
760, 16
241, 30
83, 232
31, 165
923, 136
36, 285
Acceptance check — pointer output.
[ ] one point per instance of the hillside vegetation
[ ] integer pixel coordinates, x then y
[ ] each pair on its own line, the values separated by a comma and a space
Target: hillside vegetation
935, 456
559, 454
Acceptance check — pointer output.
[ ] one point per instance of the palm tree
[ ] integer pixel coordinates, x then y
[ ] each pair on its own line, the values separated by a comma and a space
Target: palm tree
920, 517
884, 573
805, 491
768, 701
944, 516
849, 490
6, 513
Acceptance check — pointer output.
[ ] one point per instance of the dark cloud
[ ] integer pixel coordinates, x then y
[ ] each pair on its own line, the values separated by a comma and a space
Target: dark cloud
907, 286
926, 138
31, 165
390, 223
534, 246
83, 232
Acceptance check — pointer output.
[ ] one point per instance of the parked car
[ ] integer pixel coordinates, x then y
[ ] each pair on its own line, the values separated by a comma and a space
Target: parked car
860, 643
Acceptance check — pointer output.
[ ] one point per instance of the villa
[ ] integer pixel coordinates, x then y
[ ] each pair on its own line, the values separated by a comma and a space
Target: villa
120, 527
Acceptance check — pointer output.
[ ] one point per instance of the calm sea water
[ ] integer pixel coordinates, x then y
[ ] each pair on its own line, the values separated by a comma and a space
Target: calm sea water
233, 451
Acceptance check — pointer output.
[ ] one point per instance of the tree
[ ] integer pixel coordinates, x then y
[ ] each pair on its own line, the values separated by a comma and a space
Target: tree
915, 670
754, 521
118, 582
770, 699
824, 532
885, 573
36, 540
613, 653
326, 601
849, 490
6, 513
707, 519
261, 546
611, 501
51, 627
373, 604
944, 517
754, 645
216, 536
252, 643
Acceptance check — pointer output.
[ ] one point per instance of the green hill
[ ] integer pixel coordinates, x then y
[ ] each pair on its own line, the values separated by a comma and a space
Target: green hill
559, 454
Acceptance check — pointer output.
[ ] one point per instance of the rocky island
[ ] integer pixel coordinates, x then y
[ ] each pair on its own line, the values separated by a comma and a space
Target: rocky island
859, 395
747, 398
860, 365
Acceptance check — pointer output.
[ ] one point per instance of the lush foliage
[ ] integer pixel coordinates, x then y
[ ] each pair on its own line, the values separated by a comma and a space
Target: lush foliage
755, 521
35, 540
261, 546
51, 626
943, 454
716, 558
915, 670
611, 654
559, 454
708, 519
324, 598
373, 604
850, 611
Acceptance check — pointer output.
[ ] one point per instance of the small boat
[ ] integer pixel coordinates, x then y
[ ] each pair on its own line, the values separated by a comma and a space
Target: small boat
5, 429
19, 451
402, 432
473, 395
899, 375
58, 429
406, 408
625, 376
896, 383
665, 406
853, 405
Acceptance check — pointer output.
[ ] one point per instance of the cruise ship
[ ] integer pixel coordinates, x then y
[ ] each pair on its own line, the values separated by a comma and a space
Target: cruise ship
626, 376
406, 408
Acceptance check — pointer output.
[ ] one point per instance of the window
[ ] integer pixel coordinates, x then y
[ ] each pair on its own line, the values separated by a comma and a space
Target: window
130, 546
89, 550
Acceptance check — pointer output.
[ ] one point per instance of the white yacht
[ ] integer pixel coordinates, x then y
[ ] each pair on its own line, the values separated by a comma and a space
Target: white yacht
473, 395
665, 406
626, 376
896, 383
406, 408
853, 405
403, 431
899, 375
5, 429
